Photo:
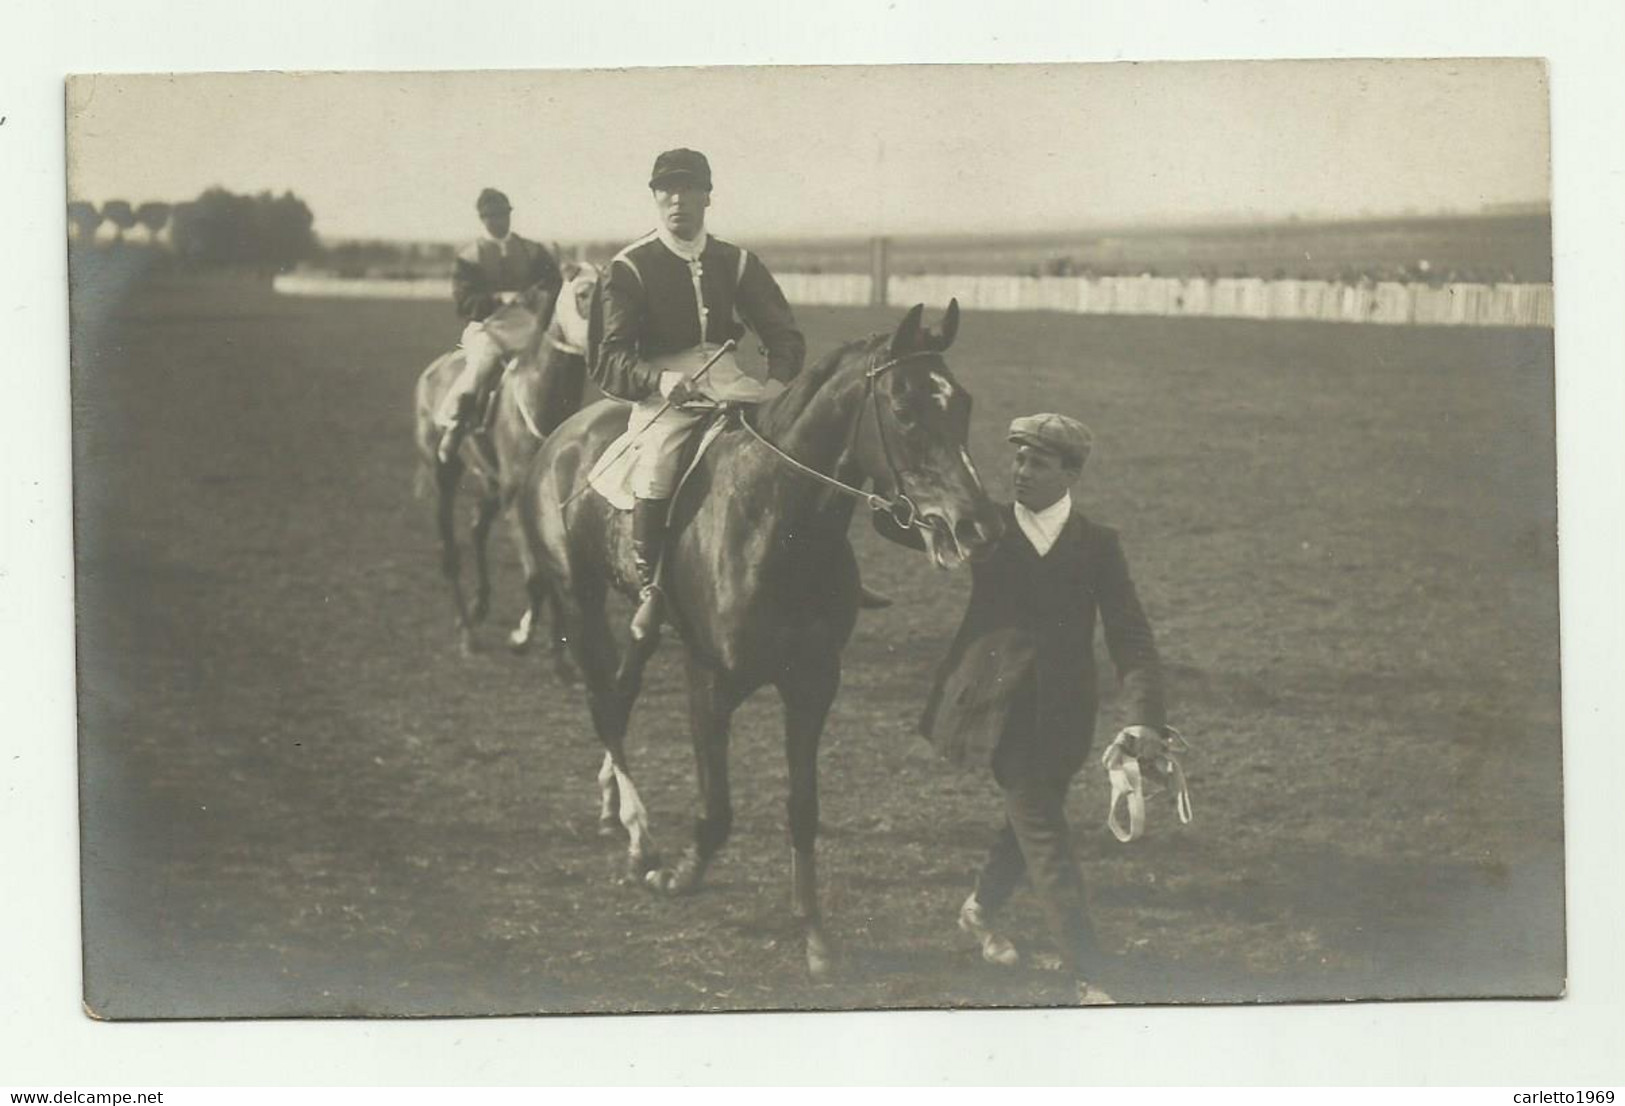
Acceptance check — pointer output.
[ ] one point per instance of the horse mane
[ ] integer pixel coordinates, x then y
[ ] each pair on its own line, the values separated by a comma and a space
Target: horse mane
778, 414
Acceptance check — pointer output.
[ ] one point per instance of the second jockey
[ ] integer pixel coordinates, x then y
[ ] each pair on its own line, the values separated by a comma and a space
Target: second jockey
504, 286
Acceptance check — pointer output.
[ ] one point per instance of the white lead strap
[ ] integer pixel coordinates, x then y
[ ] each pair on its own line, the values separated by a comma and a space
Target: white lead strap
1129, 788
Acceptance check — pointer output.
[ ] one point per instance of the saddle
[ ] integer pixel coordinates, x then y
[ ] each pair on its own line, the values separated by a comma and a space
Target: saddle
1139, 767
612, 473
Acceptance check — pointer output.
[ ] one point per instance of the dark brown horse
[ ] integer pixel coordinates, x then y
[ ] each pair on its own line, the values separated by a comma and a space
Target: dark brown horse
542, 390
761, 580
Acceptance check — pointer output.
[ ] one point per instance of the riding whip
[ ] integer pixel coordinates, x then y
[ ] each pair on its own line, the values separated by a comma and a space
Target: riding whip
727, 347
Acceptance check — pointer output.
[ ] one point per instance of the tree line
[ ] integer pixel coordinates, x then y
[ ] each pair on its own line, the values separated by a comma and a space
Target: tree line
218, 228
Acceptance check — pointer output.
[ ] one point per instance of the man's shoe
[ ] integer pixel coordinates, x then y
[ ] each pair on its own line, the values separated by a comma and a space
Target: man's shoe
996, 948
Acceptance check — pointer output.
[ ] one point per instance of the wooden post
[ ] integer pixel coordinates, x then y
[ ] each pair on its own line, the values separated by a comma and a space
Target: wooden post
879, 270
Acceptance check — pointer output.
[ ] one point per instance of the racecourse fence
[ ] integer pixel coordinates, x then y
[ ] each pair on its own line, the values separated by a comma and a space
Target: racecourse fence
1389, 303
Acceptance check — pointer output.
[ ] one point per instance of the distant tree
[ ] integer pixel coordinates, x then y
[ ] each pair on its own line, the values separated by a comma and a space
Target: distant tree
263, 231
120, 214
154, 216
85, 219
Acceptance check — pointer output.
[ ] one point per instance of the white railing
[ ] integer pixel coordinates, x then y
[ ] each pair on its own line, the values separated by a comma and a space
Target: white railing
1386, 302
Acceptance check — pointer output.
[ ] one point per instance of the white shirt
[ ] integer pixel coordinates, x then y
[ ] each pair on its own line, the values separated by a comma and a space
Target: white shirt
1043, 527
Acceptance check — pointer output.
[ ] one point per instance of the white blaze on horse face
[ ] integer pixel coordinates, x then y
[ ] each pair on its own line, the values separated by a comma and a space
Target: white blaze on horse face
942, 390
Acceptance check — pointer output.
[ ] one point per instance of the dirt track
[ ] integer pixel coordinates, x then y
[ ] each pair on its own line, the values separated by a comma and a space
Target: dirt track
300, 800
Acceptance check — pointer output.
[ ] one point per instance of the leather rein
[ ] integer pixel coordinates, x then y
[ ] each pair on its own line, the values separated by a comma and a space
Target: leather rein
901, 507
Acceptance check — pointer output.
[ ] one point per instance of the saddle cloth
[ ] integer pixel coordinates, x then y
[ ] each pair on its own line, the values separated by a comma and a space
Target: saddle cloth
611, 475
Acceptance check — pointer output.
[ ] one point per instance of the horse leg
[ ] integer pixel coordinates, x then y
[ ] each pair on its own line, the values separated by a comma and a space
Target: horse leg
536, 591
447, 477
485, 513
808, 690
539, 590
587, 627
711, 704
608, 802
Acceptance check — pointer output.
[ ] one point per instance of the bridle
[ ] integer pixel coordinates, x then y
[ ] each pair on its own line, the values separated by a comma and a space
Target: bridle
901, 506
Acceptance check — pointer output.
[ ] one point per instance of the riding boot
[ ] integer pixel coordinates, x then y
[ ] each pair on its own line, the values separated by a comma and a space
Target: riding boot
648, 533
452, 439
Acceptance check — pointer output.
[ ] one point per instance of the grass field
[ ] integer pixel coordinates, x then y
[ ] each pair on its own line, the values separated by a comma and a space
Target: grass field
299, 799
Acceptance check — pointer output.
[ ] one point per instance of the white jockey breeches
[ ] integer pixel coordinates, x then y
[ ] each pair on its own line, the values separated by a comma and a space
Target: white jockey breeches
485, 344
659, 436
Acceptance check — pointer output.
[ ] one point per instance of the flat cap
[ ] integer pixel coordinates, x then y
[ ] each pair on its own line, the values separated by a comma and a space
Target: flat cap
1056, 434
674, 166
492, 200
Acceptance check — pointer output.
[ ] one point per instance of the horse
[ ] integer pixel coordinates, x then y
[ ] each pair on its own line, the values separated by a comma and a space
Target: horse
761, 581
542, 388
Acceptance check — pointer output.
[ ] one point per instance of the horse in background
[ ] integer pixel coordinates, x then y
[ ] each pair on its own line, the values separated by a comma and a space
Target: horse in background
761, 581
540, 388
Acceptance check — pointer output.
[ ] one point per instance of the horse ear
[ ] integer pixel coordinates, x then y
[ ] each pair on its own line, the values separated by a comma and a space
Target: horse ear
950, 326
907, 335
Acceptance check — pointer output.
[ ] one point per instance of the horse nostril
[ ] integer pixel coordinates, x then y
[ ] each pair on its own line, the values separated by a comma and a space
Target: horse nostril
968, 532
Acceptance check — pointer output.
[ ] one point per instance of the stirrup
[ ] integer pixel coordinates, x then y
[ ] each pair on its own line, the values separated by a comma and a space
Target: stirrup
646, 619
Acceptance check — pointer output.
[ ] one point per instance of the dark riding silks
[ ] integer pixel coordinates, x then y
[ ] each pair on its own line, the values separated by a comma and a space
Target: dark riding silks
646, 307
1021, 670
485, 268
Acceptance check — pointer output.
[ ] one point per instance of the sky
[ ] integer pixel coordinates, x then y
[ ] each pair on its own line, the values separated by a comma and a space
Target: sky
830, 151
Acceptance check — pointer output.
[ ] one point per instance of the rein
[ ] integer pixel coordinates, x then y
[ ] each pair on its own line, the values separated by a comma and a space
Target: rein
901, 508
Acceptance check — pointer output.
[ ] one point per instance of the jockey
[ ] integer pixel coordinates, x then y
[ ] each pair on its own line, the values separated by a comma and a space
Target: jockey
504, 285
669, 303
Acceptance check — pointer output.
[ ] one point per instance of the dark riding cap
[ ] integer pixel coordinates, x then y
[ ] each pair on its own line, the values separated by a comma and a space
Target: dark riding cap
681, 167
492, 200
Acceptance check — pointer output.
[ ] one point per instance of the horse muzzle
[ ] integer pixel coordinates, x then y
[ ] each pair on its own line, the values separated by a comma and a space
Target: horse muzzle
966, 539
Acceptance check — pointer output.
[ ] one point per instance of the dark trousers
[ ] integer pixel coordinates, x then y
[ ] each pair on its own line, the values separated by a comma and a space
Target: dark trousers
1036, 841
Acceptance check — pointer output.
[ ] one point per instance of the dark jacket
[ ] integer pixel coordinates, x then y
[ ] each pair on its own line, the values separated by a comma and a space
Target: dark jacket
481, 271
1021, 670
649, 309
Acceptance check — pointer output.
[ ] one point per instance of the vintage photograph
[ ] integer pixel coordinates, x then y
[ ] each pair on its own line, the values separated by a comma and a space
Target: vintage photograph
815, 538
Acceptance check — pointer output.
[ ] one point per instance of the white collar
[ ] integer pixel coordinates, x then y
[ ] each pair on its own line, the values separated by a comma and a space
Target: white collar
688, 251
1042, 528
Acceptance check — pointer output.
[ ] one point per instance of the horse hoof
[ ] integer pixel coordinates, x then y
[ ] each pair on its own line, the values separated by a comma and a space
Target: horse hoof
467, 646
641, 869
674, 881
564, 670
518, 643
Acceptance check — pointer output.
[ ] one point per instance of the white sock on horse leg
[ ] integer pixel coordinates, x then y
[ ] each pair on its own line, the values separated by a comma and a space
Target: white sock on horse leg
633, 816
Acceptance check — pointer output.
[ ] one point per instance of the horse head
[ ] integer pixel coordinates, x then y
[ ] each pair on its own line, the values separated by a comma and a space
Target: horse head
575, 301
919, 445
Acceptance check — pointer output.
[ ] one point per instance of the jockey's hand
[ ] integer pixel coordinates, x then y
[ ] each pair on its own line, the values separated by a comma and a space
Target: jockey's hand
682, 392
